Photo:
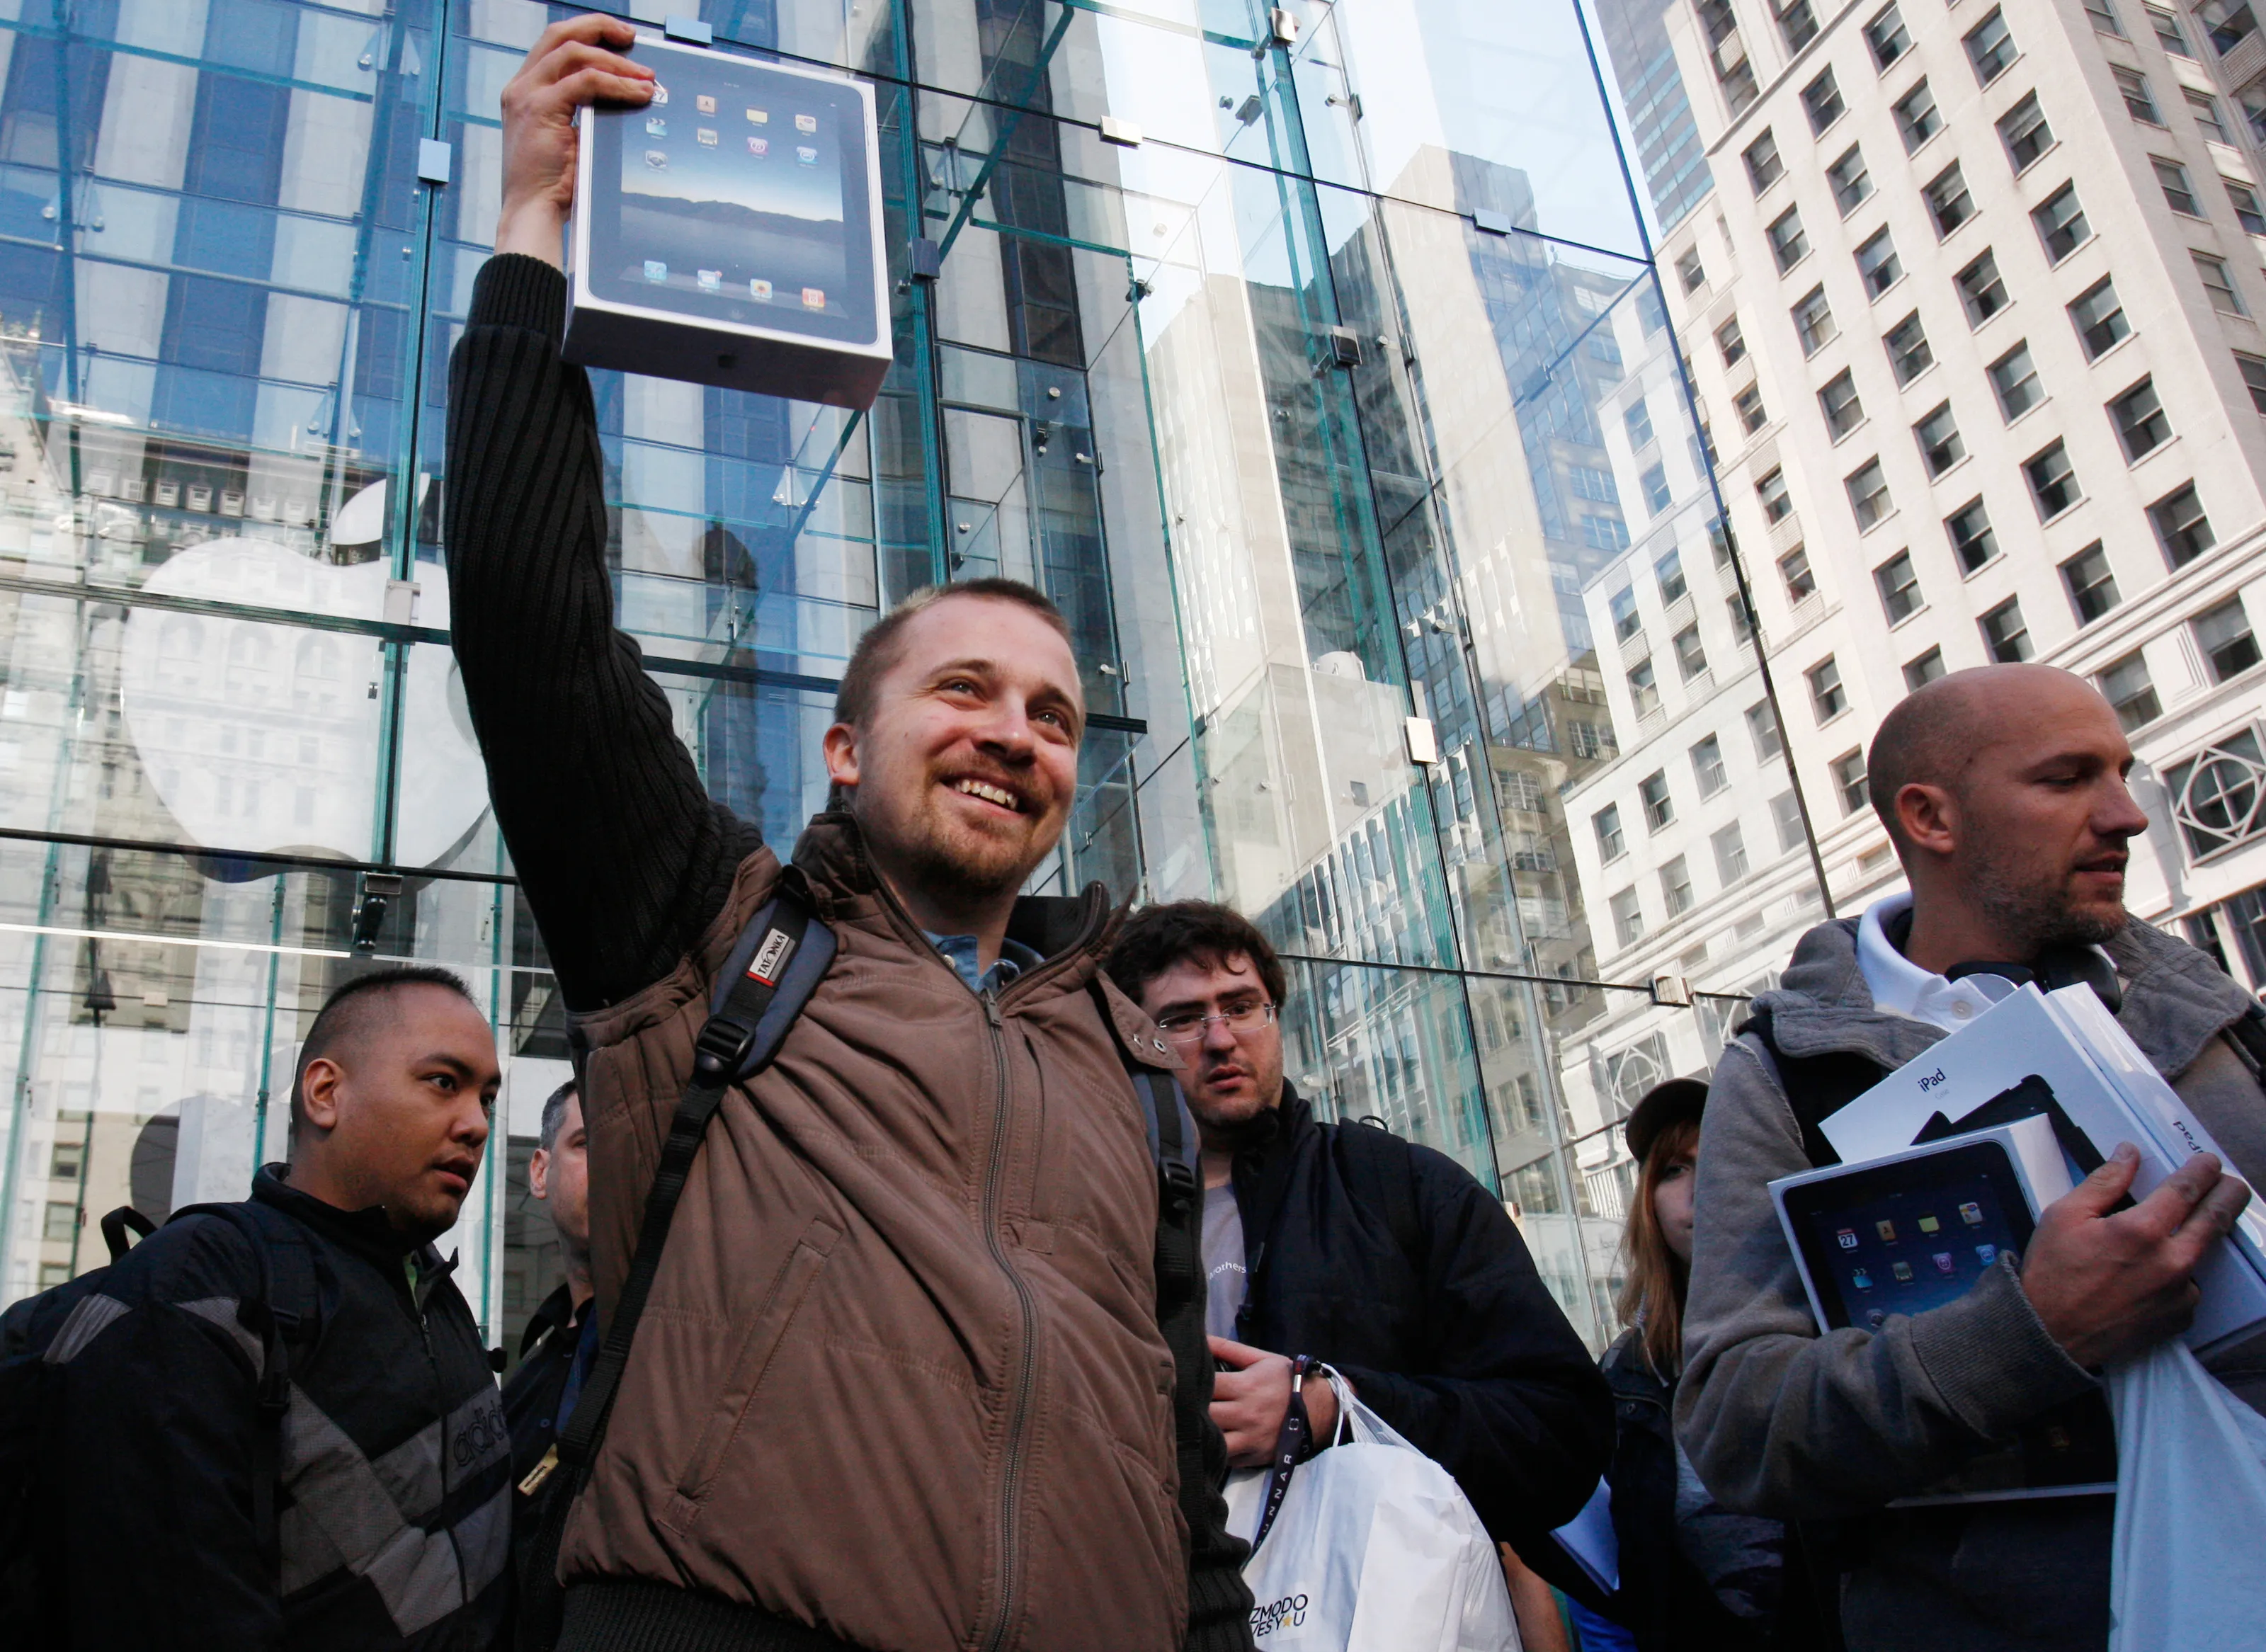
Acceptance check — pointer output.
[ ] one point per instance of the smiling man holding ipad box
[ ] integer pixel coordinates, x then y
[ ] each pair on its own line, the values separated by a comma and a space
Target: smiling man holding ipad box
904, 1382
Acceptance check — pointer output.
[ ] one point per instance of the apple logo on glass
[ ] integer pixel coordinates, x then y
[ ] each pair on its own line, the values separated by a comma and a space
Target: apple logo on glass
267, 736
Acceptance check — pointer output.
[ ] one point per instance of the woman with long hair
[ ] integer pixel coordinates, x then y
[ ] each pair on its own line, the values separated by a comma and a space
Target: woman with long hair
1694, 1577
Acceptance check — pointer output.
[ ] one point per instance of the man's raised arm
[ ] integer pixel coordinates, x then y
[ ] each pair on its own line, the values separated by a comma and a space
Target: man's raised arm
624, 858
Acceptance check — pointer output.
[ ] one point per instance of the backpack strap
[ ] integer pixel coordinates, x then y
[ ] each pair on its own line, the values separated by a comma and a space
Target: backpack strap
285, 1310
769, 977
1816, 1087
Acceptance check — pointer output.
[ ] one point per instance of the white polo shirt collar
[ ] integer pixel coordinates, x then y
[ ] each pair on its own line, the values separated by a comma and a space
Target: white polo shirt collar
1903, 988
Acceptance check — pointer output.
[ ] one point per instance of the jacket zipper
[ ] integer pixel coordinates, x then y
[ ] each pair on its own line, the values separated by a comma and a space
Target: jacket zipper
1026, 1375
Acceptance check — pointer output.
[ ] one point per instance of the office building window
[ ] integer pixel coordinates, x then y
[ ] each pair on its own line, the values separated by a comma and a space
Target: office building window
2091, 584
1628, 918
1771, 490
1851, 183
1731, 342
1917, 117
1786, 815
1868, 495
1981, 292
1821, 101
2103, 17
2207, 119
2061, 223
2126, 687
1764, 166
1989, 47
2006, 639
1644, 687
1921, 672
1788, 245
1844, 413
1909, 355
2248, 213
2224, 635
2099, 316
1691, 271
2254, 378
1762, 728
1793, 573
1611, 843
1659, 807
1654, 484
1730, 854
2024, 131
1878, 264
1940, 446
2014, 380
1828, 700
1675, 887
2228, 25
1636, 419
1813, 321
1668, 573
2173, 178
1708, 766
1626, 621
1691, 658
2053, 483
2181, 528
2167, 25
1898, 584
2139, 416
2140, 102
1739, 88
2218, 284
1948, 203
1848, 771
1797, 22
1885, 37
1972, 538
1742, 627
1748, 404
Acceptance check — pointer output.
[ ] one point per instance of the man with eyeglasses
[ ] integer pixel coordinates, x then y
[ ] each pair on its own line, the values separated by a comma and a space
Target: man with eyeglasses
1347, 1245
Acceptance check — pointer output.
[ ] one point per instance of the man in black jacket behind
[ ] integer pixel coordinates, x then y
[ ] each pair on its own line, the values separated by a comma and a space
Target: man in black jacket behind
390, 1464
1342, 1242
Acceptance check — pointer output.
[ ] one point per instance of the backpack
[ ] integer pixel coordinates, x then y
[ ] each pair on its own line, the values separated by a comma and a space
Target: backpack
768, 978
39, 1333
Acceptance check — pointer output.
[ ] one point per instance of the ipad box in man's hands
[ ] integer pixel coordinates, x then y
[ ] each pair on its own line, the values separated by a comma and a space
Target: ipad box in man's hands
1915, 1230
2062, 1055
729, 231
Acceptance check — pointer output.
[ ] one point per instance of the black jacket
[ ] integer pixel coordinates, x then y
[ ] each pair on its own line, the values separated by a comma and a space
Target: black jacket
1663, 1600
530, 1402
1454, 1341
393, 1512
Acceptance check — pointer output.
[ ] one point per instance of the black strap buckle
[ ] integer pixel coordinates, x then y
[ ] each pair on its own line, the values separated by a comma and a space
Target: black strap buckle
721, 1047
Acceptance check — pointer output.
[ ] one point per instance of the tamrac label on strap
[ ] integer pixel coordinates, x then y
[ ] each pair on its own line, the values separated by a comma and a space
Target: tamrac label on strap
770, 958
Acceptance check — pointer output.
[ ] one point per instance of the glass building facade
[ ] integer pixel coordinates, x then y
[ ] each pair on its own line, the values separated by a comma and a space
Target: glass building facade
1316, 401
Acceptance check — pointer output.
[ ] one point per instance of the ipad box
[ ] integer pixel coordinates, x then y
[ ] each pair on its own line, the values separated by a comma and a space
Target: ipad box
2064, 1056
729, 232
1915, 1229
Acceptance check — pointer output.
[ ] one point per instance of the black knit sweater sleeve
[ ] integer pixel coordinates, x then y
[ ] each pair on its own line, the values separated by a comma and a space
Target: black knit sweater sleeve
623, 857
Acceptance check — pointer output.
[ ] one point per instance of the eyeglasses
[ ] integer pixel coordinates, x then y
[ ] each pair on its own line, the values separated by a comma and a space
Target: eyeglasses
1191, 1029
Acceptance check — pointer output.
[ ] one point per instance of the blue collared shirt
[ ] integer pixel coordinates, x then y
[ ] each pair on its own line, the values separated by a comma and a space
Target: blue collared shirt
1015, 959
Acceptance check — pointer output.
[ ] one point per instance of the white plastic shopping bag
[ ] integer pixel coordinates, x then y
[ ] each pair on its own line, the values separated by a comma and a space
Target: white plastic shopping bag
2185, 1571
1373, 1549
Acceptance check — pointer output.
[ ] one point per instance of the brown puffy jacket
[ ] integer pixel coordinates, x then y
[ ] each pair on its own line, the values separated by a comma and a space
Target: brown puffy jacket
900, 1376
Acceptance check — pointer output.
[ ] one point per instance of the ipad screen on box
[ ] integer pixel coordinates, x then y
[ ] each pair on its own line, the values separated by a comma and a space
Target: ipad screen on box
739, 193
1910, 1236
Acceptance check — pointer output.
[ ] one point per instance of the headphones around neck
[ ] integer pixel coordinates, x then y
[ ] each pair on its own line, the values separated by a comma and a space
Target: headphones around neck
2057, 966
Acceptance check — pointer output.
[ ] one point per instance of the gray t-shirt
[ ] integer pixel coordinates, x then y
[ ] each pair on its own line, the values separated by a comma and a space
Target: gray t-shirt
1222, 1260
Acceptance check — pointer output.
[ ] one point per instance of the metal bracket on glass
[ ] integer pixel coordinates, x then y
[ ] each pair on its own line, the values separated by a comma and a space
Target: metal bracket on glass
1487, 221
435, 161
691, 31
1423, 741
1282, 26
925, 262
378, 891
1673, 991
1123, 134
